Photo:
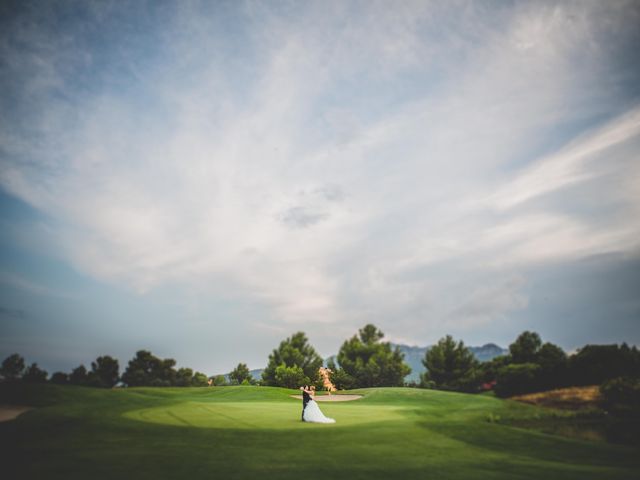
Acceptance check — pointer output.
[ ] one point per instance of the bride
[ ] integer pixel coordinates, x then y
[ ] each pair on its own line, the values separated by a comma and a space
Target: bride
312, 412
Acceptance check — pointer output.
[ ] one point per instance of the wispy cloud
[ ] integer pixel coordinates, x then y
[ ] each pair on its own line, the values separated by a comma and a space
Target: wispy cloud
314, 160
570, 164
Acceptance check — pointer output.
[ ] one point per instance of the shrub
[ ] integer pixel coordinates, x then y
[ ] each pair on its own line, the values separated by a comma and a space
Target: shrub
290, 377
517, 379
621, 396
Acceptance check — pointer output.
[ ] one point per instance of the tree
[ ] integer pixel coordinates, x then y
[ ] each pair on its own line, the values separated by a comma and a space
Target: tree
184, 377
489, 370
365, 361
294, 351
594, 364
516, 379
59, 378
240, 374
199, 380
621, 396
219, 381
105, 372
451, 366
145, 369
525, 348
290, 377
12, 367
78, 376
340, 379
553, 366
34, 374
165, 376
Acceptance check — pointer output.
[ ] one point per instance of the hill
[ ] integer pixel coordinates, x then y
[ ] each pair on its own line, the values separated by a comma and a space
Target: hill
413, 357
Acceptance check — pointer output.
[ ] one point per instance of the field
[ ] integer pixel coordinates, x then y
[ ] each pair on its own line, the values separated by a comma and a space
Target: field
255, 432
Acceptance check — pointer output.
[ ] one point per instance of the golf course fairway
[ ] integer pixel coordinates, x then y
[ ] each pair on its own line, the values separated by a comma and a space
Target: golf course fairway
256, 432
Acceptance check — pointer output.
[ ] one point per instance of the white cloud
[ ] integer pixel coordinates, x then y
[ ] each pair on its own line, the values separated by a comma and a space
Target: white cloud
345, 149
570, 164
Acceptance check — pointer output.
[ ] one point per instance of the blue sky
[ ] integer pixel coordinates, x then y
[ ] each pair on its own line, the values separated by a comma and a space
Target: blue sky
203, 179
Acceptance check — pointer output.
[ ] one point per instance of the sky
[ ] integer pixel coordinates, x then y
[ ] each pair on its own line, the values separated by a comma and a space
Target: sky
204, 179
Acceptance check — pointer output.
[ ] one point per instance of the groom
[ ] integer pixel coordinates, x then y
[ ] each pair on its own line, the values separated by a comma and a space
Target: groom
305, 398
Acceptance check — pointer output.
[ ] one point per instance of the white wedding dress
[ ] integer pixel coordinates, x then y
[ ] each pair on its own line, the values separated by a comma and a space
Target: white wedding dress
312, 413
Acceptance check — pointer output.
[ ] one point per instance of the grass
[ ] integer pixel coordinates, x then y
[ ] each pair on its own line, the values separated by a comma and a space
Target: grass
245, 432
578, 412
571, 398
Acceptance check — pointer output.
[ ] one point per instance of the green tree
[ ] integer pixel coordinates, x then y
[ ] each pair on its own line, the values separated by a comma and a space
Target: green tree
78, 376
621, 396
451, 366
553, 364
489, 370
240, 374
59, 378
199, 380
105, 372
166, 375
517, 379
525, 348
34, 374
595, 364
145, 369
219, 381
340, 379
290, 377
12, 367
184, 377
294, 351
365, 361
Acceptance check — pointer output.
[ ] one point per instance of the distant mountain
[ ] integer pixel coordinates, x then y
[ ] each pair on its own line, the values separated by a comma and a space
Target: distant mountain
413, 357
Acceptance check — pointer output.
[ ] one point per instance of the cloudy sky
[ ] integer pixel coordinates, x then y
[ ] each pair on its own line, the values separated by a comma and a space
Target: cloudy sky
203, 179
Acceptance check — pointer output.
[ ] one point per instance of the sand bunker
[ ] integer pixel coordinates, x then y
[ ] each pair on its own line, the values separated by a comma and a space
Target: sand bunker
9, 412
331, 398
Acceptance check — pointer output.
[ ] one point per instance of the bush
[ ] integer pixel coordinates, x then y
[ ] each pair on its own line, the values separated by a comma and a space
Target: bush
517, 379
621, 396
290, 377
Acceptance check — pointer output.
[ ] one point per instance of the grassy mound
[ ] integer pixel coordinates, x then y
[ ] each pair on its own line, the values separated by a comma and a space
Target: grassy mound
241, 432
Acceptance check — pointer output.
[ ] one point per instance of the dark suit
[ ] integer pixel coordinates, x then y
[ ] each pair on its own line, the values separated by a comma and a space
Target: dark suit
305, 399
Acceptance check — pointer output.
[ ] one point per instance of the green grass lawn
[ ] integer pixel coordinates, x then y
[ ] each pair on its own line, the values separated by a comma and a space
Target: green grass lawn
255, 432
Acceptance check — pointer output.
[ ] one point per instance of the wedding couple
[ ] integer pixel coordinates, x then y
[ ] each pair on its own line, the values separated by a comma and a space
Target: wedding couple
310, 409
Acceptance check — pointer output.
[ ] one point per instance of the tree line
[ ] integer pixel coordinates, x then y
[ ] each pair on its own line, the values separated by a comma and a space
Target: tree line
143, 370
530, 366
365, 360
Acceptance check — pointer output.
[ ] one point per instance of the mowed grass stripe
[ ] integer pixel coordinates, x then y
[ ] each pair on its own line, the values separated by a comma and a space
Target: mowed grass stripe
243, 432
178, 418
259, 415
234, 419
